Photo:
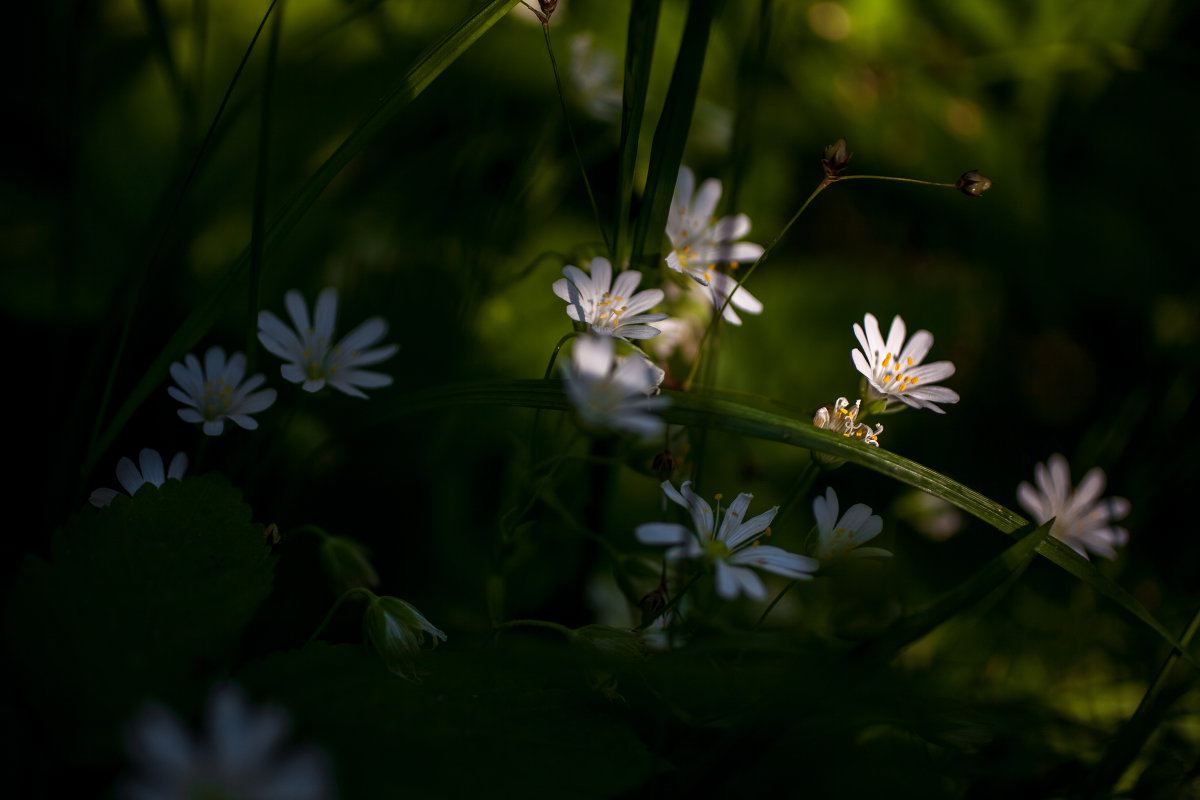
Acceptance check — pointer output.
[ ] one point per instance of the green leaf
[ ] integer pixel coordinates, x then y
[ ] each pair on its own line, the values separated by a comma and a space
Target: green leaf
134, 598
1001, 571
429, 66
670, 136
722, 413
639, 56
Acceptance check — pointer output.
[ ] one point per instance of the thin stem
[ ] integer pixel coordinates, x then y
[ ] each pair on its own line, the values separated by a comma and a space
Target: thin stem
534, 623
672, 603
553, 356
802, 486
840, 178
562, 101
774, 603
336, 605
745, 276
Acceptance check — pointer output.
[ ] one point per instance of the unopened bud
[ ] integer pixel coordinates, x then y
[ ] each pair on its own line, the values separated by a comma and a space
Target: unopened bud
548, 7
973, 184
664, 465
347, 562
836, 158
397, 631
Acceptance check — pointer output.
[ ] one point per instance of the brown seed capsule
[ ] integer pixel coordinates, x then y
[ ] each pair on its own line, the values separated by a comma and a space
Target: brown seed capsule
836, 157
548, 7
664, 465
973, 184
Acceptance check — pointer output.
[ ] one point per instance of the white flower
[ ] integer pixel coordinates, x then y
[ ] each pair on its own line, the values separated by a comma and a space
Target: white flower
894, 368
241, 755
721, 285
697, 242
734, 547
213, 392
610, 309
842, 537
132, 479
313, 358
842, 421
594, 77
1081, 520
613, 392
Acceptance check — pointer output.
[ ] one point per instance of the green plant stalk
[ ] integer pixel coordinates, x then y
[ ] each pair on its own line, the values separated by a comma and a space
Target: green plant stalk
749, 83
639, 57
562, 101
336, 605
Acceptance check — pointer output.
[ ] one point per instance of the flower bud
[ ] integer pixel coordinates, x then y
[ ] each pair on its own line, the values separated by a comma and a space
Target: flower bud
973, 184
397, 632
664, 465
836, 158
347, 562
548, 7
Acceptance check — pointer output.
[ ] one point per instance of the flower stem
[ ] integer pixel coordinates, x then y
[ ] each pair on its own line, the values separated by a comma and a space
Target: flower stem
336, 605
840, 178
553, 356
802, 486
534, 623
562, 101
774, 603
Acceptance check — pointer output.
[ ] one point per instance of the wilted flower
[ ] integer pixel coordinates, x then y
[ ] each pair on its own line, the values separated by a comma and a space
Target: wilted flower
243, 755
609, 309
973, 184
214, 394
1082, 521
612, 392
132, 479
894, 370
594, 77
843, 537
731, 550
313, 358
397, 631
698, 243
835, 158
842, 421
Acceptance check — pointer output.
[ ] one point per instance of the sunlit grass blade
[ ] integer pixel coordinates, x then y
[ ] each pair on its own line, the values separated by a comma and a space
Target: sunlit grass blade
670, 135
750, 72
428, 67
639, 57
997, 575
723, 414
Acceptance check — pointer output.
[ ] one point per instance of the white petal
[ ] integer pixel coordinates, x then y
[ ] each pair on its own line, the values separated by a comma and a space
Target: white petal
365, 335
777, 560
729, 229
626, 284
825, 510
214, 363
129, 476
704, 204
178, 466
325, 314
152, 466
102, 497
916, 349
601, 274
895, 339
298, 311
732, 581
1032, 501
662, 533
592, 356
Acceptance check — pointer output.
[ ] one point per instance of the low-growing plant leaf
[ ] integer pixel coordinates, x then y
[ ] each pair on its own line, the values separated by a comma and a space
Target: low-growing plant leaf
639, 57
136, 599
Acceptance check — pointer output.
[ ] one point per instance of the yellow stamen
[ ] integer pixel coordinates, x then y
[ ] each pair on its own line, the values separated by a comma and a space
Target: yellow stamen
886, 359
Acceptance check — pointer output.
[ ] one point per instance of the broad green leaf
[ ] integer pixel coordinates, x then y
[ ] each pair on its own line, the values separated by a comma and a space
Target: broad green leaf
1003, 570
134, 599
670, 136
722, 413
639, 56
429, 66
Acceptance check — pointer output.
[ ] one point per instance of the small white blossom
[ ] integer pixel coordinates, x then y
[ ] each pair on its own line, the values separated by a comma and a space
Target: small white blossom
842, 421
313, 358
612, 392
843, 537
609, 309
215, 392
894, 369
1082, 521
698, 243
732, 550
242, 754
594, 77
133, 479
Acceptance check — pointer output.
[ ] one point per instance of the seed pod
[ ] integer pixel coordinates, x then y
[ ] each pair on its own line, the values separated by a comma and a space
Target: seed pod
973, 184
836, 157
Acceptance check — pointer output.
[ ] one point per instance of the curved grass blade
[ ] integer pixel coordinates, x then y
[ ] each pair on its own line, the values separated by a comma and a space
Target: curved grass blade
639, 56
995, 576
670, 136
724, 414
429, 66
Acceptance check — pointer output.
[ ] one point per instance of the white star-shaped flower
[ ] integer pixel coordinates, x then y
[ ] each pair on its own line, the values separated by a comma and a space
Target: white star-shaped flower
313, 359
1082, 521
243, 754
215, 392
844, 537
894, 369
132, 478
732, 550
612, 392
610, 309
698, 243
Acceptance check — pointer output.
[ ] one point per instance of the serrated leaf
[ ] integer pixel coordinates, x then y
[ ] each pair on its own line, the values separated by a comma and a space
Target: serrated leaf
133, 599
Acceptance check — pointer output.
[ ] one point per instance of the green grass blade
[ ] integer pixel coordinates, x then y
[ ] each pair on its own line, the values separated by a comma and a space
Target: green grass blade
639, 57
721, 413
428, 67
670, 136
997, 575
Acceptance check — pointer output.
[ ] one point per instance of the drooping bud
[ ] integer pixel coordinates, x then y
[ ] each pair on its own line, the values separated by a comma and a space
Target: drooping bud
347, 562
664, 465
397, 632
836, 158
973, 184
548, 7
